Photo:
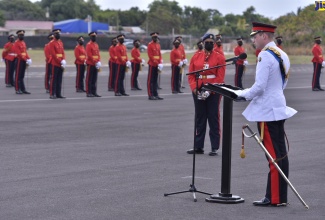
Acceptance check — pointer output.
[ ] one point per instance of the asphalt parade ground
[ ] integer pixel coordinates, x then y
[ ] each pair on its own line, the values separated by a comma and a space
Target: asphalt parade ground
114, 157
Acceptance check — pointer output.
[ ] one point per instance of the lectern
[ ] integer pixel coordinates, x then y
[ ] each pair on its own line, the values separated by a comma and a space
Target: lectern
225, 196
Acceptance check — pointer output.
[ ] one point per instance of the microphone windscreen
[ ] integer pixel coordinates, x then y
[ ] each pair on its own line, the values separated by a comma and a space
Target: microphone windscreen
243, 56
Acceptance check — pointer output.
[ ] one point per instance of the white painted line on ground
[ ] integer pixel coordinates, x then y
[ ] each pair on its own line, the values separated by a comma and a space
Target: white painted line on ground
197, 177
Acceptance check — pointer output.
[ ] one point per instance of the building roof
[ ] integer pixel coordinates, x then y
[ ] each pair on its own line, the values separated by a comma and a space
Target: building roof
36, 25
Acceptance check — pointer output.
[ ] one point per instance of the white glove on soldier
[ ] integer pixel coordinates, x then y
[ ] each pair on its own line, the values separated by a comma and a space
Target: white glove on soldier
160, 66
143, 62
98, 65
238, 92
180, 63
29, 62
185, 61
128, 64
63, 63
245, 62
2, 60
323, 64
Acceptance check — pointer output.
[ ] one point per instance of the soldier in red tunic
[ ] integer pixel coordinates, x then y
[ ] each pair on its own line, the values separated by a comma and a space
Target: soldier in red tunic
184, 60
218, 46
279, 41
112, 65
9, 57
48, 66
240, 64
23, 61
318, 62
58, 63
177, 64
80, 55
136, 62
155, 65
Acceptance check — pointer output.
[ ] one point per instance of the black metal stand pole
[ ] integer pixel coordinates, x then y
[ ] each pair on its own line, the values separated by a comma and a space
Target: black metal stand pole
225, 196
192, 186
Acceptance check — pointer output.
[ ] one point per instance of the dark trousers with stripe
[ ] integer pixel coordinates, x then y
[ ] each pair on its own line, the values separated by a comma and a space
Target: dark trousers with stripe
20, 75
152, 81
239, 75
91, 80
10, 69
56, 81
80, 76
134, 77
119, 81
274, 142
48, 73
176, 78
112, 75
316, 75
207, 111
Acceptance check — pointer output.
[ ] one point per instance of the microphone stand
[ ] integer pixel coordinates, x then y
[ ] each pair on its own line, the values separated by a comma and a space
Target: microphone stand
192, 185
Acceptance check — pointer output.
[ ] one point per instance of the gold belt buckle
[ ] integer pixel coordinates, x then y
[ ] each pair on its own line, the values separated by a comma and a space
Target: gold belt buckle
204, 77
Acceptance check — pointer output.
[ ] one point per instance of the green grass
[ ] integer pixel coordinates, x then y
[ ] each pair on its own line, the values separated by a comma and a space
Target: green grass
38, 57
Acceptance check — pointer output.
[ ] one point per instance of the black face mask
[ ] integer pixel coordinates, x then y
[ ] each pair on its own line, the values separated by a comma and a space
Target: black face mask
121, 40
240, 43
318, 41
219, 43
12, 40
81, 42
21, 37
200, 46
176, 45
155, 39
208, 46
279, 41
137, 45
57, 36
93, 38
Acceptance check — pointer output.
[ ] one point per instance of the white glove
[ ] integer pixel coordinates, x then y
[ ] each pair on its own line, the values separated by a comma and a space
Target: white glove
143, 61
180, 63
160, 66
245, 62
2, 60
238, 92
29, 62
63, 63
98, 65
128, 64
185, 61
323, 64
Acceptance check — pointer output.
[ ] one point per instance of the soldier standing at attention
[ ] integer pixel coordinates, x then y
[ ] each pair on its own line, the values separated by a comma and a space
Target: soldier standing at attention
240, 64
9, 57
218, 46
155, 65
318, 62
48, 66
122, 63
112, 65
279, 41
136, 63
80, 55
177, 63
23, 61
184, 60
93, 65
58, 65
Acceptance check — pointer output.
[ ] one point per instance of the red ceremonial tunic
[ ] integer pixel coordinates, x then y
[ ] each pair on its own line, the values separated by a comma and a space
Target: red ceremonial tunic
20, 48
182, 50
121, 54
318, 54
239, 50
176, 56
80, 54
9, 52
57, 52
154, 54
112, 54
92, 51
135, 54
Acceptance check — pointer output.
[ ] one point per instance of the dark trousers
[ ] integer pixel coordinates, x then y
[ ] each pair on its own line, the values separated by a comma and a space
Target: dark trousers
316, 75
10, 69
56, 81
152, 81
134, 77
119, 81
20, 75
80, 76
112, 75
207, 110
91, 80
176, 78
274, 142
239, 75
48, 73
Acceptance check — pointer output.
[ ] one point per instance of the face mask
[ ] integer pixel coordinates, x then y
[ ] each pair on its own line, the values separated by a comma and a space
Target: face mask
176, 45
208, 46
279, 41
57, 36
219, 43
21, 37
200, 46
240, 43
93, 38
121, 40
137, 45
12, 40
81, 42
318, 41
155, 39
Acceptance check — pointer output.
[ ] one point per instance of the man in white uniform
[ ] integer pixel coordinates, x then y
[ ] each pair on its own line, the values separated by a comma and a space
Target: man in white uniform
268, 108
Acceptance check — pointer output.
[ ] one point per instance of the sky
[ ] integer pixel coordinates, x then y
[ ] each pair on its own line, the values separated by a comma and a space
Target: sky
271, 8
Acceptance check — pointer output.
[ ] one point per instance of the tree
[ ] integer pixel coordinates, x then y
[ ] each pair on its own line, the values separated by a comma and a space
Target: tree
21, 10
2, 19
196, 21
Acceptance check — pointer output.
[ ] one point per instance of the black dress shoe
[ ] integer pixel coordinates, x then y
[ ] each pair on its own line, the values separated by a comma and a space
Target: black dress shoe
197, 151
19, 92
79, 90
133, 89
159, 98
183, 87
320, 89
47, 91
264, 202
8, 85
60, 97
96, 95
90, 95
174, 92
138, 89
159, 87
118, 94
180, 91
52, 97
83, 90
26, 92
315, 89
152, 98
124, 94
110, 89
213, 153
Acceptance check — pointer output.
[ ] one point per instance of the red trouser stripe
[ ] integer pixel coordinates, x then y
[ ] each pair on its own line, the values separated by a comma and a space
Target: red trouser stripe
7, 72
173, 77
275, 179
46, 76
110, 65
149, 81
78, 77
133, 76
315, 75
87, 79
117, 75
17, 75
52, 81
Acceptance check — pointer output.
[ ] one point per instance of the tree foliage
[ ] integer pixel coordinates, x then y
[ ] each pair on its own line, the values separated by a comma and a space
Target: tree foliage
21, 10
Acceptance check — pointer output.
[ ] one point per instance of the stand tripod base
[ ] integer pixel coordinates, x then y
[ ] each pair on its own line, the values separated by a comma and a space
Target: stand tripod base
191, 190
224, 198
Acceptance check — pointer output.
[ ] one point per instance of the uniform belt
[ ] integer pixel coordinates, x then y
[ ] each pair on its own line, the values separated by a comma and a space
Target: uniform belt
95, 57
59, 55
156, 57
123, 57
207, 76
23, 54
12, 54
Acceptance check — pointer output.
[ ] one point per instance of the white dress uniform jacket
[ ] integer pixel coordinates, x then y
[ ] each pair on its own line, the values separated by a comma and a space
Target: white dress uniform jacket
267, 99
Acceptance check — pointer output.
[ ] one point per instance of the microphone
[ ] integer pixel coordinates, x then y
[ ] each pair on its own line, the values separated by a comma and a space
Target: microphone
241, 56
